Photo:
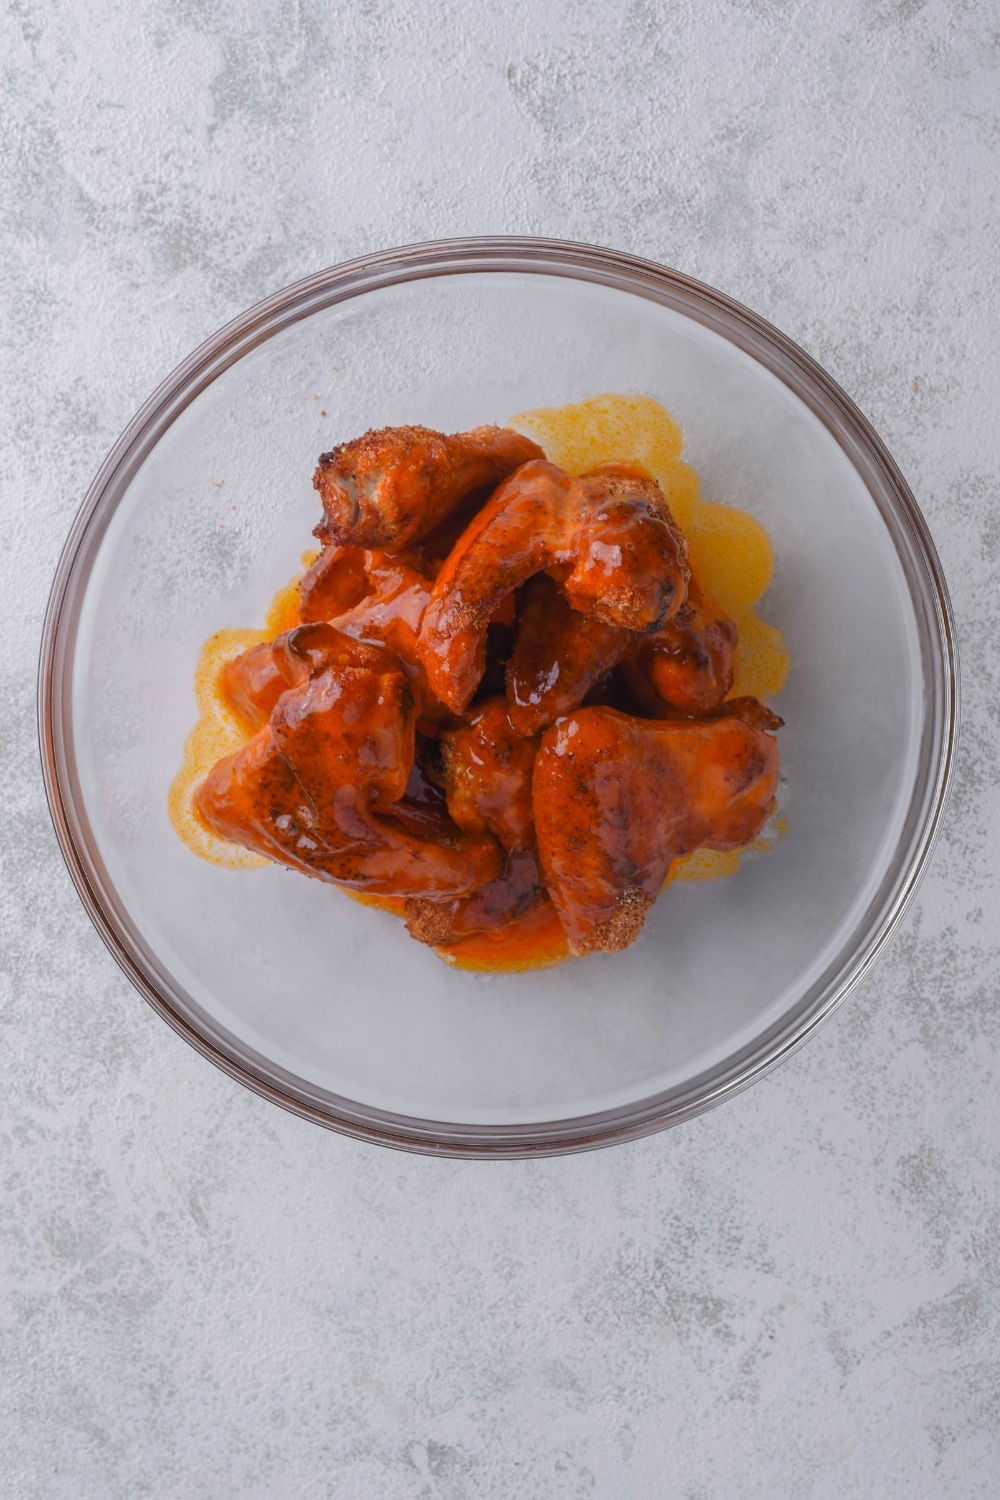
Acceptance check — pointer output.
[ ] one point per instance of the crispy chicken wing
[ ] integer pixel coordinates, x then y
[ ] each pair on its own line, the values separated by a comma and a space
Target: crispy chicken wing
558, 656
253, 682
616, 799
302, 792
394, 485
486, 776
689, 666
607, 538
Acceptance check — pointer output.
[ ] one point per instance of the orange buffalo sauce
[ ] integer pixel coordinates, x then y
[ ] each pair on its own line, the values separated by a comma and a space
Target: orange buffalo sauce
220, 731
730, 553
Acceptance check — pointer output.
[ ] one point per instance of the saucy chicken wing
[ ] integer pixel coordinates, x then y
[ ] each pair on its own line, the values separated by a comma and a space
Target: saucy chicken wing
305, 791
516, 892
467, 567
683, 670
558, 656
375, 597
689, 666
607, 538
617, 799
253, 682
394, 485
389, 615
486, 776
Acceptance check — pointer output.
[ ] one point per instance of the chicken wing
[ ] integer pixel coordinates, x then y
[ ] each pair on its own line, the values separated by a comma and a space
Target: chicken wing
516, 892
558, 656
608, 538
689, 666
486, 776
253, 682
302, 792
389, 615
379, 632
336, 582
393, 486
616, 799
683, 670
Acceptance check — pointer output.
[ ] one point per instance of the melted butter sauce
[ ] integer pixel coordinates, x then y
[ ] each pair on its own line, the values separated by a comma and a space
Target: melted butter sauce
730, 552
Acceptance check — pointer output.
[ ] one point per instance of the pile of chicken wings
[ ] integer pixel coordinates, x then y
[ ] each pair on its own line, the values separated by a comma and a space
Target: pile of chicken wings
506, 691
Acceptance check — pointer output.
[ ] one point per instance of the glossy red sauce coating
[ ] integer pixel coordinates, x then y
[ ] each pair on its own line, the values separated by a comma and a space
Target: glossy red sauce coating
505, 724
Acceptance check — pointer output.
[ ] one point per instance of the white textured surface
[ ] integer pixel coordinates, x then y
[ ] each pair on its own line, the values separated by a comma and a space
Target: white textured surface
798, 1295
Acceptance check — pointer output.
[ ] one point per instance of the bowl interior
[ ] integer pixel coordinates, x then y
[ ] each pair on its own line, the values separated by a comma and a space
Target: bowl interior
335, 1002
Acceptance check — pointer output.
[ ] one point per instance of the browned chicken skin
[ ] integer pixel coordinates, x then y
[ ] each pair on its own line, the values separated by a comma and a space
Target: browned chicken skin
394, 485
617, 799
608, 538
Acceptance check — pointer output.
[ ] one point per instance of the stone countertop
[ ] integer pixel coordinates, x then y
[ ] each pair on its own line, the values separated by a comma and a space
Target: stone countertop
796, 1295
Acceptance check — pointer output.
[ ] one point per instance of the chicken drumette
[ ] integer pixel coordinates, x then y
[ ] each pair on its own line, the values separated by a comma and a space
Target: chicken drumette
394, 485
684, 669
608, 539
322, 787
689, 666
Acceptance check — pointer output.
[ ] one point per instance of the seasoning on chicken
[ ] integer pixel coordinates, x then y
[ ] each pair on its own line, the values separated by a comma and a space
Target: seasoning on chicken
518, 891
607, 538
616, 799
393, 486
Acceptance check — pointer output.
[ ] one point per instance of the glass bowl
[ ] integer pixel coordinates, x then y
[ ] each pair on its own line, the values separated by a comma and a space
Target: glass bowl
201, 512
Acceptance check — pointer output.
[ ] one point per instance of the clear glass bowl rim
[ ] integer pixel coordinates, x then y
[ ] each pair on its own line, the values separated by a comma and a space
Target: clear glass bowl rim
741, 327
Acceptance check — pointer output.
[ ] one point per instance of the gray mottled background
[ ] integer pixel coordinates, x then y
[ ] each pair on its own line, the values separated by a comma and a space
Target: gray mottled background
795, 1296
